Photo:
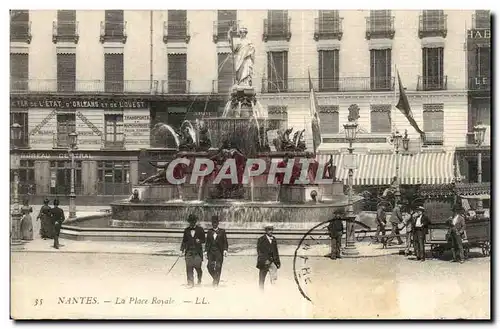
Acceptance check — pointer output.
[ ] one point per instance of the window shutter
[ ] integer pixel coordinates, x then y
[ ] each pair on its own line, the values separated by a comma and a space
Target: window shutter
225, 19
177, 16
66, 72
381, 119
177, 73
277, 22
329, 119
328, 70
19, 71
277, 117
113, 72
66, 22
114, 22
380, 68
278, 71
225, 77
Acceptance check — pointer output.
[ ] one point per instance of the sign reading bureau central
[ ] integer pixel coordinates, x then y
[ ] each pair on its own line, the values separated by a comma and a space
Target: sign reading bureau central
77, 103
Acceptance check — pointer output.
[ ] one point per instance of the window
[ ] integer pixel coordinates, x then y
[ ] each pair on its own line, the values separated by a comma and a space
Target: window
225, 19
328, 70
380, 24
22, 119
177, 73
329, 119
26, 176
482, 19
113, 177
60, 177
277, 71
380, 118
113, 125
329, 21
433, 78
277, 117
432, 21
114, 23
483, 56
433, 124
113, 73
66, 72
225, 76
177, 25
66, 124
19, 72
380, 69
66, 23
278, 26
20, 26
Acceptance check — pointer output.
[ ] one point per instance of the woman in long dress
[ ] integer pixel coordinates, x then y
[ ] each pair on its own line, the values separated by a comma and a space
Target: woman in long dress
26, 221
46, 227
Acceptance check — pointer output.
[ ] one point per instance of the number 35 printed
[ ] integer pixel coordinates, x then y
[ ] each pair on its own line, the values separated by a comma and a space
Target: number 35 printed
38, 302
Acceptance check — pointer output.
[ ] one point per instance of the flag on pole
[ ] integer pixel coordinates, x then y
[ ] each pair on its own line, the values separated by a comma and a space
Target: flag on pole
404, 106
315, 125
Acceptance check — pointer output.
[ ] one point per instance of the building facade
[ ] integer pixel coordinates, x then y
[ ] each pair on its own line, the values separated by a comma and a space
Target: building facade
112, 75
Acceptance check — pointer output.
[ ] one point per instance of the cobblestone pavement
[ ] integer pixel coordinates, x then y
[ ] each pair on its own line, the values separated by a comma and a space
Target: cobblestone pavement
136, 285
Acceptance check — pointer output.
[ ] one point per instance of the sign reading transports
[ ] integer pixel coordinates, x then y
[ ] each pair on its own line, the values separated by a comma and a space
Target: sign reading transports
73, 103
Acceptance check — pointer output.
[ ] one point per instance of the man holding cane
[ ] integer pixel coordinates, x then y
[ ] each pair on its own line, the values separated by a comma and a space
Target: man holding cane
192, 249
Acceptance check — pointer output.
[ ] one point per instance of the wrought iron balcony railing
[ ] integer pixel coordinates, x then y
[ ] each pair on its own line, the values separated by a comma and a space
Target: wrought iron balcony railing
176, 31
426, 83
115, 142
65, 31
20, 31
325, 29
175, 86
380, 27
432, 26
481, 21
83, 86
480, 83
60, 141
113, 32
433, 138
222, 86
277, 31
328, 85
220, 29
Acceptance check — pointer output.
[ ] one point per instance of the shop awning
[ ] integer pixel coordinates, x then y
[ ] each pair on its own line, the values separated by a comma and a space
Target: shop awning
379, 169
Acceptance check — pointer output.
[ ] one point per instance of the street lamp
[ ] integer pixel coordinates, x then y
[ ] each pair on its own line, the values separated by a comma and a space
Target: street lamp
15, 136
73, 140
397, 139
350, 134
479, 132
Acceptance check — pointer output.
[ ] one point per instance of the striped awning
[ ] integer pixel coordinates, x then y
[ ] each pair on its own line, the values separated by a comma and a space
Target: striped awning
379, 169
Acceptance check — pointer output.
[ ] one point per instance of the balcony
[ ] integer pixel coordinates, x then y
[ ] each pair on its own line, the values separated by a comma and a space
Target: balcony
60, 141
221, 87
220, 29
83, 86
20, 31
380, 27
113, 32
176, 31
344, 84
481, 21
479, 83
65, 32
433, 138
277, 31
432, 26
175, 86
426, 83
328, 29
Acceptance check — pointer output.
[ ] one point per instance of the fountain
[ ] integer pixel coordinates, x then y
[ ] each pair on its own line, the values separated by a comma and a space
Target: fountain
244, 202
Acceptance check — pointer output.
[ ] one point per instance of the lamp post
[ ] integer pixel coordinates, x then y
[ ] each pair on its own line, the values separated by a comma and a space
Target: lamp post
350, 249
15, 135
479, 132
73, 139
397, 138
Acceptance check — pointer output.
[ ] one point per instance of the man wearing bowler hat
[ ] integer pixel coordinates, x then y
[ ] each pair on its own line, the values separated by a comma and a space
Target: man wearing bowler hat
58, 218
192, 249
456, 232
268, 258
419, 222
216, 249
335, 229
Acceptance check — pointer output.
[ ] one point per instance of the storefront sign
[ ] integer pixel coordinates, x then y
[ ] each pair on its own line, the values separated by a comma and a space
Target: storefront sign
479, 34
61, 155
136, 125
60, 103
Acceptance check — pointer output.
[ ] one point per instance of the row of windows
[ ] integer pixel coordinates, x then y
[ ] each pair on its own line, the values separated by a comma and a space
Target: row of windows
276, 25
381, 72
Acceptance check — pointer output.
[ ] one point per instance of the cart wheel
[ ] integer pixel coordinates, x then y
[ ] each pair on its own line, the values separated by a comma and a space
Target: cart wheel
486, 249
360, 236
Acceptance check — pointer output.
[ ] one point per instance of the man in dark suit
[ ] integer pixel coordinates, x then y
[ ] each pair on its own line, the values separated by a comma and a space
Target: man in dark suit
57, 215
396, 218
335, 229
192, 249
268, 259
381, 222
456, 232
419, 223
216, 249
